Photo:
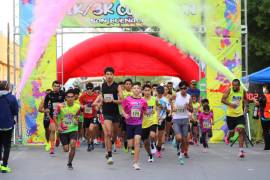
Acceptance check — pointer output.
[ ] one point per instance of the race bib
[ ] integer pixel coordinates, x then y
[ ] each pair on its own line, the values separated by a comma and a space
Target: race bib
149, 111
108, 97
206, 125
180, 109
55, 105
88, 110
68, 120
135, 113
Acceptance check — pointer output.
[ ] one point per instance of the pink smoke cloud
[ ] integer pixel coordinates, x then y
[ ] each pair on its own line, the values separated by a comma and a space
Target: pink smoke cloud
48, 14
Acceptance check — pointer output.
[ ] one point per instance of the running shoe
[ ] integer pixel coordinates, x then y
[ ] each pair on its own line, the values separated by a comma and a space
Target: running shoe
114, 148
241, 154
89, 148
110, 161
5, 169
132, 152
158, 154
57, 142
69, 166
96, 142
52, 151
186, 155
136, 166
226, 139
150, 159
153, 150
163, 147
47, 147
78, 144
204, 150
125, 150
181, 160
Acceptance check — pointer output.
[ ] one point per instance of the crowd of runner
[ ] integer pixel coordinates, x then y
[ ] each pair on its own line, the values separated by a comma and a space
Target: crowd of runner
128, 115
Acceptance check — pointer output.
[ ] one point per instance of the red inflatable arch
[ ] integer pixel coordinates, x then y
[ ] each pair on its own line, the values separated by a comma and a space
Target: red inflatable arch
133, 54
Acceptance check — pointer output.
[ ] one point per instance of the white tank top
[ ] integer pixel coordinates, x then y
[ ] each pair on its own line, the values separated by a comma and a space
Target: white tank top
180, 106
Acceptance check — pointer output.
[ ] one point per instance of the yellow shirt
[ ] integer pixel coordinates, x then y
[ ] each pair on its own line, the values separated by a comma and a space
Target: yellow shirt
125, 95
149, 120
236, 98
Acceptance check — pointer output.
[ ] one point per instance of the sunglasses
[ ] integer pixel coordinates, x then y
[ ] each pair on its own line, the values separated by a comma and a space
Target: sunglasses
183, 88
89, 88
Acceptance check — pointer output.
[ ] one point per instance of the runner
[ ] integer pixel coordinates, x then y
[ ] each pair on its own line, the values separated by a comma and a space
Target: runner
206, 122
126, 93
68, 114
111, 96
89, 113
150, 122
163, 106
168, 116
134, 109
235, 99
46, 121
154, 89
194, 119
50, 103
181, 108
77, 92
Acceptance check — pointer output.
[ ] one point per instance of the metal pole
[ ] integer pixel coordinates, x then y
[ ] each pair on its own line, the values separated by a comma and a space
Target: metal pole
8, 53
246, 38
62, 57
14, 45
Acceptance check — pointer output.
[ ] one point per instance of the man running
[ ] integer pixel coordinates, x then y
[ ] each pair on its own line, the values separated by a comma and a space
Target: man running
112, 96
46, 121
68, 114
181, 107
89, 113
235, 99
150, 122
50, 103
164, 108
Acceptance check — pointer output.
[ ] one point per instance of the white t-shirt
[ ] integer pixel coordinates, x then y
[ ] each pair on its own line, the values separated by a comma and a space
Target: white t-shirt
180, 105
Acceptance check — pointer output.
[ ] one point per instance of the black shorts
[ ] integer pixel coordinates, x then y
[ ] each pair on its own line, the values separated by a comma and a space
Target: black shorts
65, 138
168, 118
162, 126
46, 122
133, 130
115, 118
146, 131
232, 122
123, 124
87, 122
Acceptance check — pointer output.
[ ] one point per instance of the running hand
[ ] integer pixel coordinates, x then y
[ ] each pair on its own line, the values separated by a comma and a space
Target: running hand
126, 116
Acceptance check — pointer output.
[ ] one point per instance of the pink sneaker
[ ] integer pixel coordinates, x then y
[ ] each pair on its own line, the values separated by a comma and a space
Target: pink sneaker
241, 154
158, 154
78, 144
226, 139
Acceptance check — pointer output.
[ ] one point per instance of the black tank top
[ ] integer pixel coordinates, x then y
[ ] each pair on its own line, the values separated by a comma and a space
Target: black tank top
108, 92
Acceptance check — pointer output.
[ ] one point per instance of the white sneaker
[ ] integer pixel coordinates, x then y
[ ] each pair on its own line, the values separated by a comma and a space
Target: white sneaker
163, 147
95, 141
153, 151
110, 161
204, 150
136, 166
150, 159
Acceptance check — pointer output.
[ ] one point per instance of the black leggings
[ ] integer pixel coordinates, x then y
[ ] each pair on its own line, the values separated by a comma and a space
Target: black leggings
266, 134
204, 137
5, 144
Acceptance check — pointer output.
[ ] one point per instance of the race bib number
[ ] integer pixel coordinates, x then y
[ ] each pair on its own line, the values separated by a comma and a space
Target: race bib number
206, 125
55, 105
149, 111
68, 120
180, 109
88, 110
108, 97
135, 113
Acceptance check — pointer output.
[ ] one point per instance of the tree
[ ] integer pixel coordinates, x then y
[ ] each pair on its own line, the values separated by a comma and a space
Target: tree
259, 30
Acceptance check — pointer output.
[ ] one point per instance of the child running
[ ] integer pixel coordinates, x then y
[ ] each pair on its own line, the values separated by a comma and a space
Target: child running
206, 122
134, 108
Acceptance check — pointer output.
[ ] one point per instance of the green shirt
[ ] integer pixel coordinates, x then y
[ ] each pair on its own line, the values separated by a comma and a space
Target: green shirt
68, 116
